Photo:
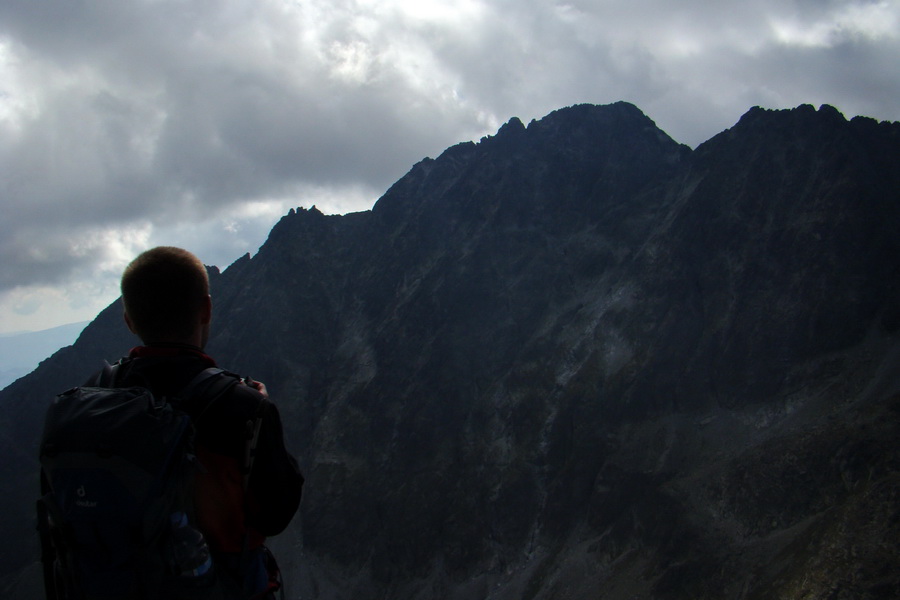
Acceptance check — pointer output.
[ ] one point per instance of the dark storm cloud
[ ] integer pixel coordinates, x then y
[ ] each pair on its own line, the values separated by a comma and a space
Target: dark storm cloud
168, 111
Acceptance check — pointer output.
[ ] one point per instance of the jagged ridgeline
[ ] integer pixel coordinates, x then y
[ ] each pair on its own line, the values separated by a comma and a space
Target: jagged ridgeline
574, 360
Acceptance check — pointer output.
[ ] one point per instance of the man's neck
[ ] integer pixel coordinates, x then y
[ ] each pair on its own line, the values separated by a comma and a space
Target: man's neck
172, 344
170, 350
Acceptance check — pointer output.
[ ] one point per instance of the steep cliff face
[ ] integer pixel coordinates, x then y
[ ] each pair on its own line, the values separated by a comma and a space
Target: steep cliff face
579, 358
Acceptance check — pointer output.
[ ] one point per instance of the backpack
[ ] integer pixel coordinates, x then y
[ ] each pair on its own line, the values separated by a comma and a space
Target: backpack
117, 520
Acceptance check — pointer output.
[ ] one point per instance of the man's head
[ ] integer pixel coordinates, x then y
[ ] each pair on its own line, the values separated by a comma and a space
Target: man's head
165, 291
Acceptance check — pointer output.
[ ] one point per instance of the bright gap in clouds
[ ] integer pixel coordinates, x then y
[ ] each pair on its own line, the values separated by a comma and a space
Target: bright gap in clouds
101, 254
844, 24
12, 105
459, 12
218, 241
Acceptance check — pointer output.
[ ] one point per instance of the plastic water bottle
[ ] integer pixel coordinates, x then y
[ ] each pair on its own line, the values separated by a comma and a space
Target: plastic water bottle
192, 557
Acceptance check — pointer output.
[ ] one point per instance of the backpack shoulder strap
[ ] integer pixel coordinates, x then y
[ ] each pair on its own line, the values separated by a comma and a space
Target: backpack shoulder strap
202, 377
253, 428
204, 389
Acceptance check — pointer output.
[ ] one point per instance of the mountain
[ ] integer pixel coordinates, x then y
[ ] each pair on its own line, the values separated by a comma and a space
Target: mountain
21, 352
576, 359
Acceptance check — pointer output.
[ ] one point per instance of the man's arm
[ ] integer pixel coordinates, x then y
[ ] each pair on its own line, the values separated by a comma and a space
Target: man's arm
275, 483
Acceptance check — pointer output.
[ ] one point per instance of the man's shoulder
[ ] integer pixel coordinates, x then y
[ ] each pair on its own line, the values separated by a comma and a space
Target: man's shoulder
234, 396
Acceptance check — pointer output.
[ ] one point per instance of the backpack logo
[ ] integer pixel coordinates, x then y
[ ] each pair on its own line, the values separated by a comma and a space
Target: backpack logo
81, 502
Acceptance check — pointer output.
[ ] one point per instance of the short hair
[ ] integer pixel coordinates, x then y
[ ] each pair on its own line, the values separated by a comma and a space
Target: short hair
163, 291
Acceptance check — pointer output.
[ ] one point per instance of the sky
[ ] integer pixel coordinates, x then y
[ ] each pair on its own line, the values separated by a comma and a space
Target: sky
127, 124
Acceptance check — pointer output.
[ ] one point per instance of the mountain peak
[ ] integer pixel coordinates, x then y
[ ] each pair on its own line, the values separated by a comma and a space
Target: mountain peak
511, 127
601, 151
804, 114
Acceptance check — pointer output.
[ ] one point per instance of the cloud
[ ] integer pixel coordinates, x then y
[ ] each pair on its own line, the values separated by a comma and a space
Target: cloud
840, 24
159, 121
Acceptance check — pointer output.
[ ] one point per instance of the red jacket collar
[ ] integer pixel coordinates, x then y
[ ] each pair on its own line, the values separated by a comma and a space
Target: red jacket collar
170, 351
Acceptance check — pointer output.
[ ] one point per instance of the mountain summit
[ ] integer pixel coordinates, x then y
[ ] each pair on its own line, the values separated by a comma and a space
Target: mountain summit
578, 359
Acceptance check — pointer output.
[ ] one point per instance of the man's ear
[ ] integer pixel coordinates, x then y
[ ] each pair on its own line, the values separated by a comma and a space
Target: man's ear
206, 311
128, 322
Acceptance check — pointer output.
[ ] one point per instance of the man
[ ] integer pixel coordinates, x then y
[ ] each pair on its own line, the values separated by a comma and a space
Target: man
165, 292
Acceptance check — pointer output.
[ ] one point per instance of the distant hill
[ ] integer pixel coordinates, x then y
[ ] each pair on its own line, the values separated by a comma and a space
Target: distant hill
574, 360
21, 352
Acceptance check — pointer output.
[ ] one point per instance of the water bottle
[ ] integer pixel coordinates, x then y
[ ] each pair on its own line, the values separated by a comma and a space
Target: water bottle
191, 554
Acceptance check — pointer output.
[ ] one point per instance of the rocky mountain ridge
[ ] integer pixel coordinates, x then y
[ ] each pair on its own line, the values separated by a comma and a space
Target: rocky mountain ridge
579, 359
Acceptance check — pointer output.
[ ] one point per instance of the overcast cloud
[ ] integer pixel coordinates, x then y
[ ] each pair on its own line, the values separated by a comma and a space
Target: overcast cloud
126, 124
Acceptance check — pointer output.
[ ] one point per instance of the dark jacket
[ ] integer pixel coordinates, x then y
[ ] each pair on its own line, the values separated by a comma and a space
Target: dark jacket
228, 516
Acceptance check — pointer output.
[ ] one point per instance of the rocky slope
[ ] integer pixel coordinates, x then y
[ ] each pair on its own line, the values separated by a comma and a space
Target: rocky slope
578, 359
